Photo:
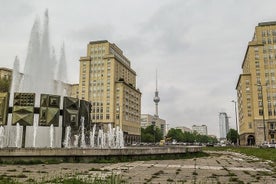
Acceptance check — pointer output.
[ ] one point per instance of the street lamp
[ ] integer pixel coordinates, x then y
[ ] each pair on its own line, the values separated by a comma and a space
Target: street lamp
154, 129
261, 86
235, 103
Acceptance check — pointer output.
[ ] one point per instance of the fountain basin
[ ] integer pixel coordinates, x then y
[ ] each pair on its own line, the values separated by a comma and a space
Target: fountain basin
91, 155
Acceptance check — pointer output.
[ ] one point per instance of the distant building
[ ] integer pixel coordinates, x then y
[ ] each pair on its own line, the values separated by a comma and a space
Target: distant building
5, 73
147, 120
223, 125
184, 129
200, 129
74, 90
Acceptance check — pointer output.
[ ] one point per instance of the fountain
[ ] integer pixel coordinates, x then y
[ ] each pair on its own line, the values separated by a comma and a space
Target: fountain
37, 119
17, 138
92, 136
51, 135
41, 65
83, 145
2, 136
67, 139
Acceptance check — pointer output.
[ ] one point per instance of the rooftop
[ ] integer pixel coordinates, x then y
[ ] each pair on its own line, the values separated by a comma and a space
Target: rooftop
267, 23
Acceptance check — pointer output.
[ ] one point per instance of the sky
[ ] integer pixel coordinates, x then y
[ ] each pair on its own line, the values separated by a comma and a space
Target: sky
197, 46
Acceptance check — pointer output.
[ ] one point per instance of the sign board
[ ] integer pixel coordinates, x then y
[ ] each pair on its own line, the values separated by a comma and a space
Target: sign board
71, 112
4, 106
49, 110
23, 109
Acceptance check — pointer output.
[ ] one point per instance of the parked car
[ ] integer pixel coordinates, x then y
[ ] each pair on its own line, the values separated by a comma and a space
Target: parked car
267, 145
210, 144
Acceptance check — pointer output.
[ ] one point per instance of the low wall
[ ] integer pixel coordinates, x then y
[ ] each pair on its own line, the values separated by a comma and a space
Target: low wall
87, 155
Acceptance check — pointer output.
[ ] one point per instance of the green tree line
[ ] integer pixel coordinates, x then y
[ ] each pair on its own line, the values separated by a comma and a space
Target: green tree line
154, 134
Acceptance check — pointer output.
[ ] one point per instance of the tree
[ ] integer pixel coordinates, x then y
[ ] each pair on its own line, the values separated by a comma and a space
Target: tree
176, 134
232, 136
151, 134
4, 85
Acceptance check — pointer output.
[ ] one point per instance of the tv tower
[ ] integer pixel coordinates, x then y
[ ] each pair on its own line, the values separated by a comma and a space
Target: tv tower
156, 98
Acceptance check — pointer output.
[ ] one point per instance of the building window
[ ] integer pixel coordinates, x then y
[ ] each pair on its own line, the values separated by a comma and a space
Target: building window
250, 125
260, 112
271, 126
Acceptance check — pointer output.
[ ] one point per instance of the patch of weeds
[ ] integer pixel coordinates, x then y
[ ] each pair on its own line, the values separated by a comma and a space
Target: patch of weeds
42, 172
148, 180
236, 180
213, 176
264, 173
21, 176
246, 172
181, 181
11, 170
158, 173
231, 174
95, 169
225, 169
170, 180
231, 179
195, 173
26, 171
30, 180
7, 180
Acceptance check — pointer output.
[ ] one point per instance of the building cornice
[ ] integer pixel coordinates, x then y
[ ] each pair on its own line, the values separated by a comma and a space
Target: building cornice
244, 74
129, 85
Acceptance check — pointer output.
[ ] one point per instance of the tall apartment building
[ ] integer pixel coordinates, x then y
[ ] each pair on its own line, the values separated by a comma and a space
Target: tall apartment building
109, 83
200, 129
256, 87
223, 125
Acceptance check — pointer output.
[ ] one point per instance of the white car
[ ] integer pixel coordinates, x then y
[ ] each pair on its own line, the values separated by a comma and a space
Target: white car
267, 145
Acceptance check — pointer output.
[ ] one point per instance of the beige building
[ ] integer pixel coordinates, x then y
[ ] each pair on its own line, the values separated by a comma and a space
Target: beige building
74, 90
5, 73
200, 129
256, 87
109, 83
184, 129
147, 120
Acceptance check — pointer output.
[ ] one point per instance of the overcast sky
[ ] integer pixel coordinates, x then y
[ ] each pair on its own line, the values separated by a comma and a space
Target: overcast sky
197, 46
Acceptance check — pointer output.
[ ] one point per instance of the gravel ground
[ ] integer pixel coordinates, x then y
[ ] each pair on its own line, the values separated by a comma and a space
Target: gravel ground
219, 167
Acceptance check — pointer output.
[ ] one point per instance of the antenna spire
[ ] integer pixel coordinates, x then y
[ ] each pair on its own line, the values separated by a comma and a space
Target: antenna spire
156, 98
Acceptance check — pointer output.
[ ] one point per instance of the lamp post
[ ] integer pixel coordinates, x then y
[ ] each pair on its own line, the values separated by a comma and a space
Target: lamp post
235, 103
263, 109
118, 109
